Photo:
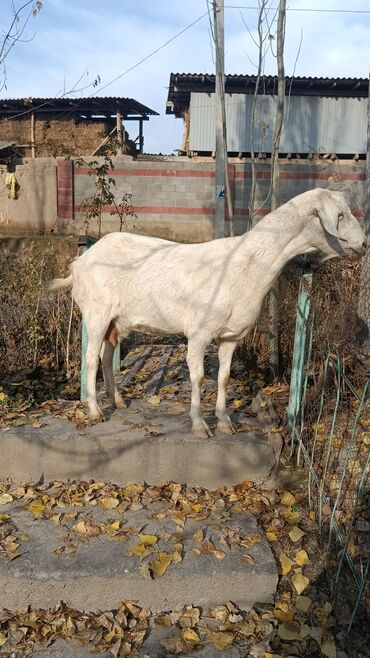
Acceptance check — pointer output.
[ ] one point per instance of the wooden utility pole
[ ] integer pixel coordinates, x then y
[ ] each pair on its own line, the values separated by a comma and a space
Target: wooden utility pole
275, 183
218, 18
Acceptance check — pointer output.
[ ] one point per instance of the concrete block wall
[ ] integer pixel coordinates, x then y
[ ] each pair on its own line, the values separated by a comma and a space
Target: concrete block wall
173, 198
34, 211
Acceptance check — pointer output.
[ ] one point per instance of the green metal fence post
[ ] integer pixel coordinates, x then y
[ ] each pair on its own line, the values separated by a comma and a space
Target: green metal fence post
297, 376
85, 242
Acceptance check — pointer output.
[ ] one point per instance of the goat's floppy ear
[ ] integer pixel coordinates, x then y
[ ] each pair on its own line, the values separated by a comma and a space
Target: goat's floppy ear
328, 216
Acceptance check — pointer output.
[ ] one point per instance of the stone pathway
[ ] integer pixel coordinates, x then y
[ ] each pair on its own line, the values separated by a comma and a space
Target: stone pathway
149, 441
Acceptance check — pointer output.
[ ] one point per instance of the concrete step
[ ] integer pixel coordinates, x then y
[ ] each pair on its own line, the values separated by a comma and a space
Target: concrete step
140, 443
102, 570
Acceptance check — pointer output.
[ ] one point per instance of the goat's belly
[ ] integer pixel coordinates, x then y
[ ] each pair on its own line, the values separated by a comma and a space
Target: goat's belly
157, 331
235, 335
124, 328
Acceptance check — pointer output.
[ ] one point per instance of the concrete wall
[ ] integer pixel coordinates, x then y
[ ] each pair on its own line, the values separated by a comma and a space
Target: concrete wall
35, 209
172, 197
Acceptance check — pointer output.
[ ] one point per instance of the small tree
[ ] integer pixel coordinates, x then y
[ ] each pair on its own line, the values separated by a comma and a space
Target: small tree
92, 206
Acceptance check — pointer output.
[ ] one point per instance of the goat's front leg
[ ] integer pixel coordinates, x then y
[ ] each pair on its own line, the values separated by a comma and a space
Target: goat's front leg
225, 354
109, 345
195, 359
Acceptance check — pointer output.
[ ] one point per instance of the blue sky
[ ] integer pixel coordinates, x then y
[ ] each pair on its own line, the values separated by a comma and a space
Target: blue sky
68, 44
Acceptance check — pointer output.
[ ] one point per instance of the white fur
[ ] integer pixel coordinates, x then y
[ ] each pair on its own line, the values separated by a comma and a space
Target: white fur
208, 291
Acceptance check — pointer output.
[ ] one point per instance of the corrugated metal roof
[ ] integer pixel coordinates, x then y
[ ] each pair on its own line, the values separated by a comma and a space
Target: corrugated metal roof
88, 106
311, 124
182, 84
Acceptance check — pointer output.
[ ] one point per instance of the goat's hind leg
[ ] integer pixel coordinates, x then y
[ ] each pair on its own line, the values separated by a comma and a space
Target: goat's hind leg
195, 358
109, 345
95, 339
225, 354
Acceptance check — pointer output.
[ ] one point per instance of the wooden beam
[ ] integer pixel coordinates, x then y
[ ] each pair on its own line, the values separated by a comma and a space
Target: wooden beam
119, 131
33, 150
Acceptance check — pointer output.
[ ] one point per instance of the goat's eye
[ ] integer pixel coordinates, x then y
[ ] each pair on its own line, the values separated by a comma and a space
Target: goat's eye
341, 216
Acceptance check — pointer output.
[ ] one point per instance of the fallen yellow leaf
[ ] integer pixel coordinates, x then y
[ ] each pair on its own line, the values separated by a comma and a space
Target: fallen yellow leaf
220, 640
292, 517
289, 630
366, 438
5, 498
86, 528
303, 603
287, 498
3, 639
148, 539
271, 536
283, 615
108, 502
132, 489
139, 549
300, 582
190, 635
36, 507
198, 535
285, 563
296, 534
351, 546
328, 648
190, 617
114, 526
154, 401
161, 564
301, 558
219, 555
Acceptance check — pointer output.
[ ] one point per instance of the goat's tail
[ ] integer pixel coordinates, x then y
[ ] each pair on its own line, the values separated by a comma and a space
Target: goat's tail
60, 284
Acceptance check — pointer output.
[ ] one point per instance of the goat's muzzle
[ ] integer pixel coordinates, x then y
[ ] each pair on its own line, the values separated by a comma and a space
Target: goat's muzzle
359, 251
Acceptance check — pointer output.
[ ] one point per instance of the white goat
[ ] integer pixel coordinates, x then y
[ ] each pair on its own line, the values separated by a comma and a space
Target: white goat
207, 291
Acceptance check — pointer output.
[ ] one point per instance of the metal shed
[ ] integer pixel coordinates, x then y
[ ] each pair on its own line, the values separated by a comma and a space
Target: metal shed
322, 115
311, 125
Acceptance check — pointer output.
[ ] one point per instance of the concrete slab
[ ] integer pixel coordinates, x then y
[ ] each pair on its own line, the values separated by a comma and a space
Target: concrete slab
68, 649
102, 572
137, 444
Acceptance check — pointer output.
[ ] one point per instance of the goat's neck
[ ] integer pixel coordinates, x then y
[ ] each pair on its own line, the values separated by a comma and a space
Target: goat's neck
272, 243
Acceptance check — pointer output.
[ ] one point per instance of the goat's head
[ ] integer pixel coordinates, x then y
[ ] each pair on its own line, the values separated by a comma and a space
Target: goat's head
337, 231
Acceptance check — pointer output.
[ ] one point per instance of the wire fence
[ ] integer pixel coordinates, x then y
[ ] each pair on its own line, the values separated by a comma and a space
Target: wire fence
329, 422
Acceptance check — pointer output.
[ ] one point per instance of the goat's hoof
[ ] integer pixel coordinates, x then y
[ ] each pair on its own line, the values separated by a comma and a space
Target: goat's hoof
201, 430
225, 425
119, 402
96, 416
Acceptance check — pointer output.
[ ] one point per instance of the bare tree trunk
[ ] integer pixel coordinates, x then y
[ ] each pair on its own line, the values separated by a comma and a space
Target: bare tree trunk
275, 183
363, 310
